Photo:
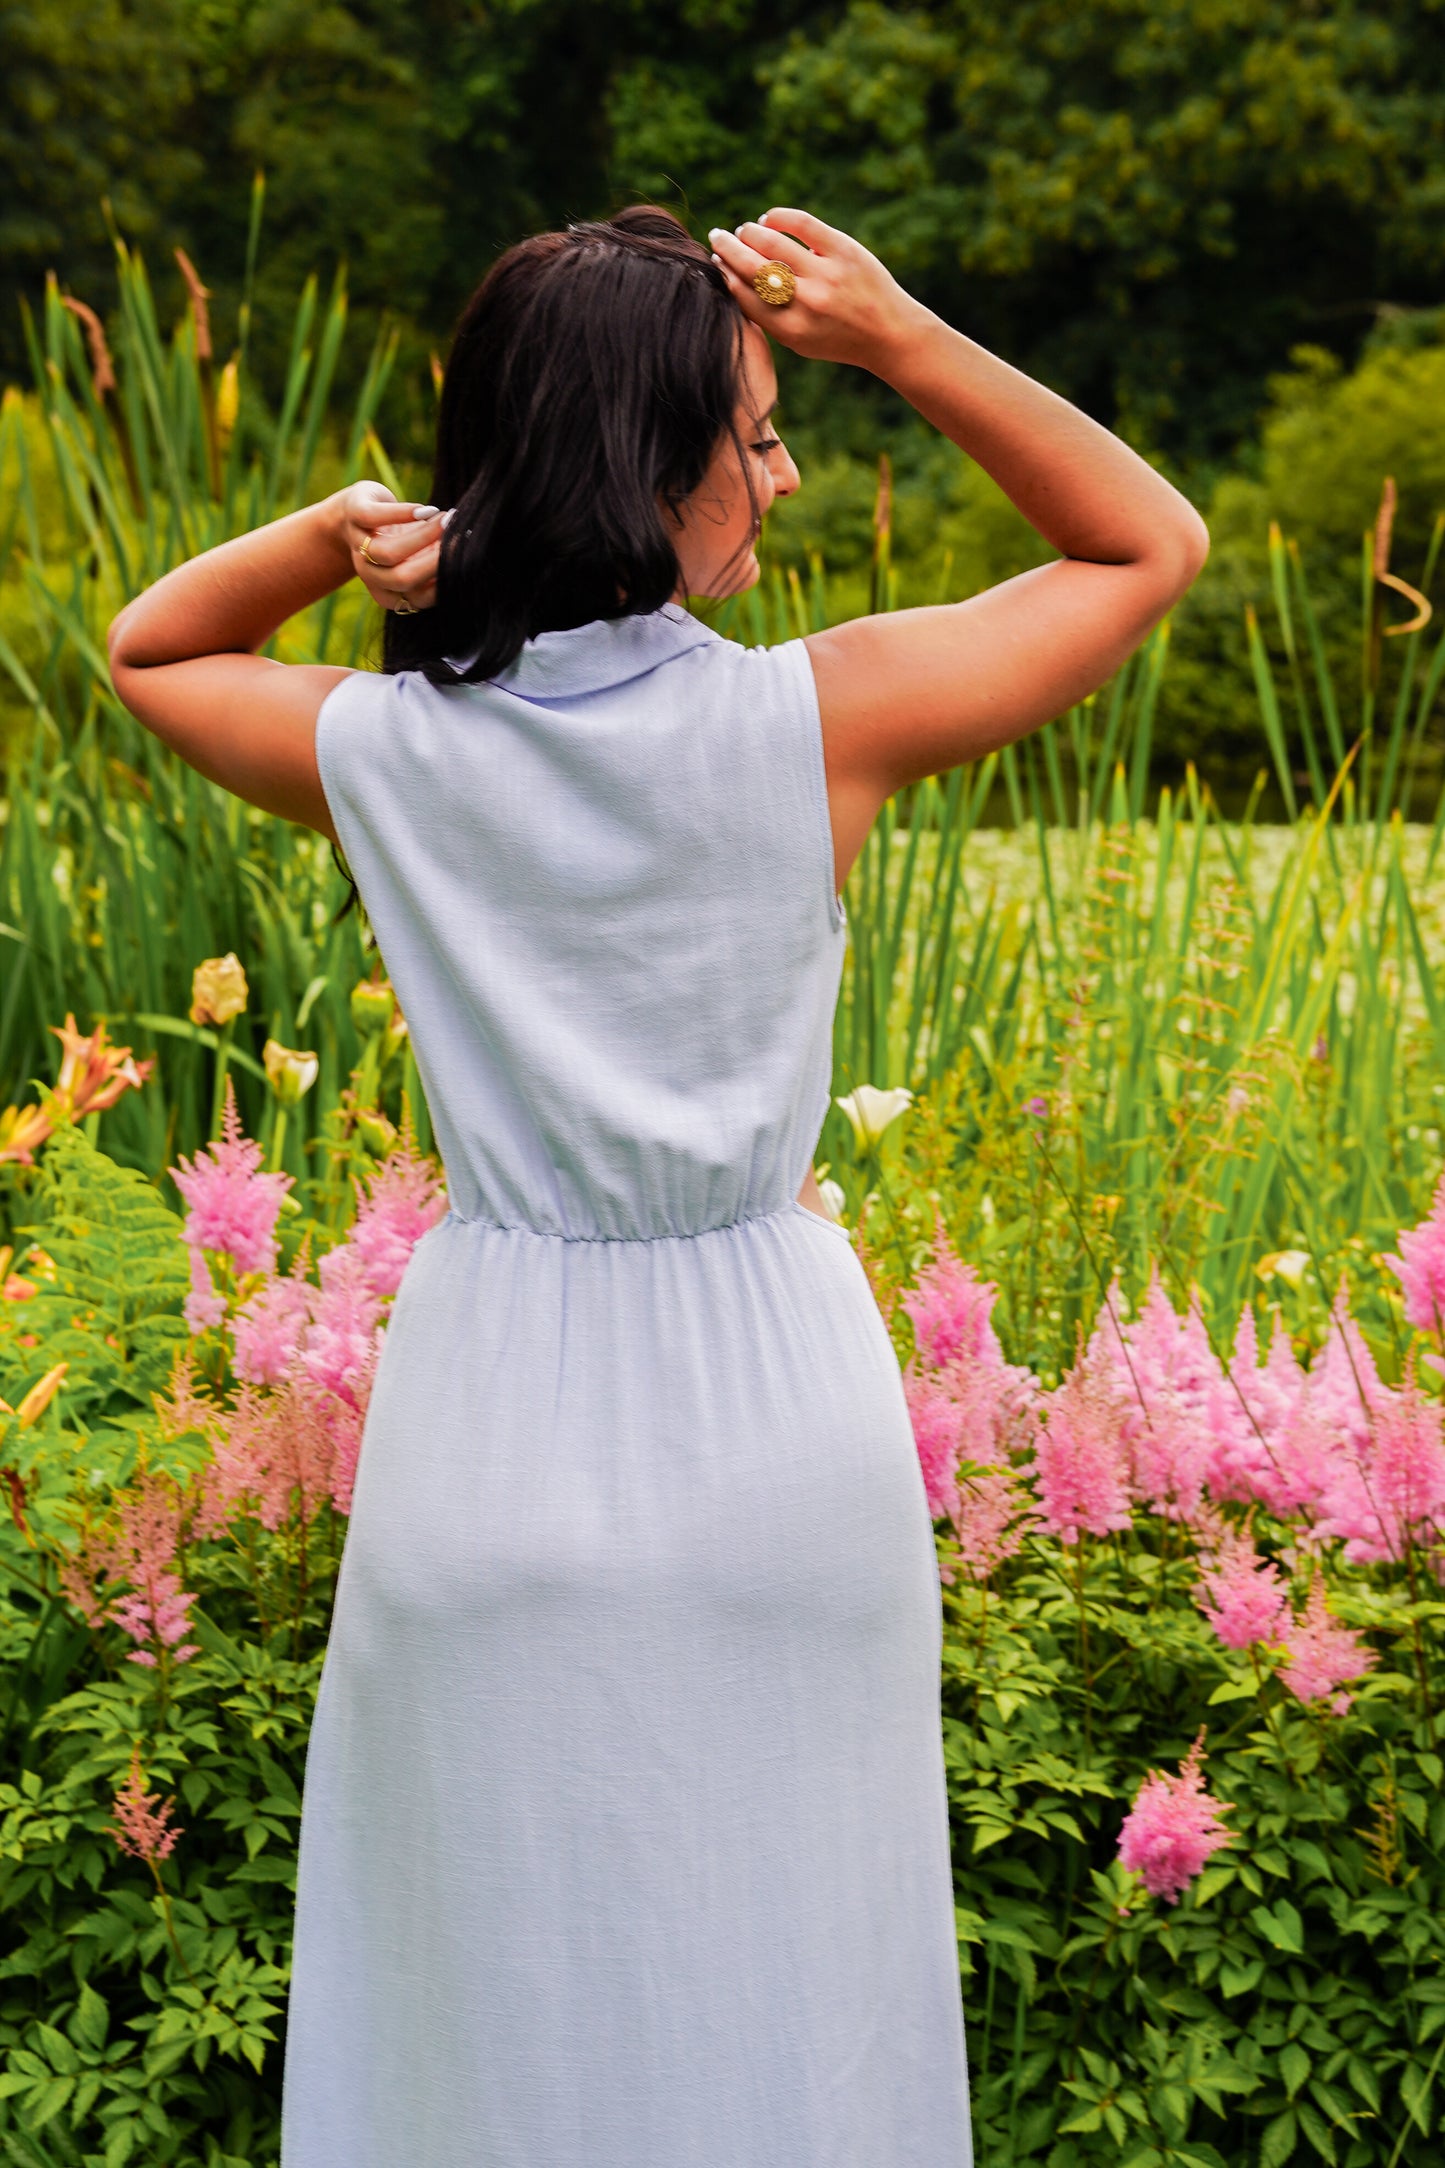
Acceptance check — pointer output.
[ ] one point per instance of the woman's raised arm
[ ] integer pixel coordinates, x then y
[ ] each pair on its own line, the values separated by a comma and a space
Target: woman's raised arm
916, 691
183, 654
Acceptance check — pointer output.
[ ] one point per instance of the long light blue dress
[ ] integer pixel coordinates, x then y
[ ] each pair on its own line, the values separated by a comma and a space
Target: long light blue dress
624, 1838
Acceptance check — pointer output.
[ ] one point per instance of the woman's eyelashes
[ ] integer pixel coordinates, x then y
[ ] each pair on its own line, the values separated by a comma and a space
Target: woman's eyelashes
766, 445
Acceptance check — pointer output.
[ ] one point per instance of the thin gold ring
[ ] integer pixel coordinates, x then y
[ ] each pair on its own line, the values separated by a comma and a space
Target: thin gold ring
774, 283
365, 551
403, 608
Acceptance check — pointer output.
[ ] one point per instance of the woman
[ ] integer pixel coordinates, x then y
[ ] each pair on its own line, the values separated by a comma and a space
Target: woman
625, 1840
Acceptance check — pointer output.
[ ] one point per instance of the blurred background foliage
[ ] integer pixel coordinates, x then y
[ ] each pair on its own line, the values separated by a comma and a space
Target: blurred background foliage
1148, 202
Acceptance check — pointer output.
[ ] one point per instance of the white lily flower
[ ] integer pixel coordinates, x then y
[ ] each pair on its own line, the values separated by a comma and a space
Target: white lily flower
872, 1110
831, 1193
1287, 1265
290, 1071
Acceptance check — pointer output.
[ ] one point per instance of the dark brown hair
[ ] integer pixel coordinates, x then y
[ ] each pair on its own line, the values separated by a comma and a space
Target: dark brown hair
593, 374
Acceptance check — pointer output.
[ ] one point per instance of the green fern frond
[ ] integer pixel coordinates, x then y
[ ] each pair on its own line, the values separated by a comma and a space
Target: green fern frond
113, 1311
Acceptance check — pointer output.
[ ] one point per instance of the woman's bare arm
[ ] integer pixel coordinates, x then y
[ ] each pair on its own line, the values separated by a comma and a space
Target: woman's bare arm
917, 691
183, 655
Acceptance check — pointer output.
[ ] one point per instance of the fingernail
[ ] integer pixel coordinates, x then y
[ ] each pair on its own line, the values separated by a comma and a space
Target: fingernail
449, 515
424, 511
738, 230
715, 233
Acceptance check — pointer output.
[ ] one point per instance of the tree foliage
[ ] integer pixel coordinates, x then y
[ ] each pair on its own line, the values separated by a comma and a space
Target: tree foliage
1149, 202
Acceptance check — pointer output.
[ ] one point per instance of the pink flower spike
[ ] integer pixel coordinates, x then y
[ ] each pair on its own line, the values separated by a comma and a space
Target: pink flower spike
405, 1200
951, 1309
205, 1305
1173, 1827
1420, 1267
935, 1417
141, 1824
1323, 1654
341, 1342
1388, 1491
268, 1329
232, 1205
1080, 1460
1242, 1595
992, 1517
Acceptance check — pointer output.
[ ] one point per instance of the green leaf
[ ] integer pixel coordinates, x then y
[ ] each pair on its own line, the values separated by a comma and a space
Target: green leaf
44, 2106
91, 2017
1237, 1979
59, 2050
1318, 2131
1281, 1925
989, 1833
1294, 2066
1278, 2143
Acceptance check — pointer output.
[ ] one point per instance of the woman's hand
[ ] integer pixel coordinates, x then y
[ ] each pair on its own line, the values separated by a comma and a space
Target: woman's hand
393, 547
846, 305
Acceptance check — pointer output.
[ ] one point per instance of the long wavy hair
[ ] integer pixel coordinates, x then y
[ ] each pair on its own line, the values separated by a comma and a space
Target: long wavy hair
592, 377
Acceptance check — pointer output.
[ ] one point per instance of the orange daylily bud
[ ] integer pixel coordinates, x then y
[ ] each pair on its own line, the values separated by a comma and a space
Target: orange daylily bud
39, 1397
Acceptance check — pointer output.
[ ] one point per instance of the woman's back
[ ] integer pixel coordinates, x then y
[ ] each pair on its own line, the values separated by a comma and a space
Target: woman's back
603, 889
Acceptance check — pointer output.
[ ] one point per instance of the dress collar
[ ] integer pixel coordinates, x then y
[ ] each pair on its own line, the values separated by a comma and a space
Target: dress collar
609, 651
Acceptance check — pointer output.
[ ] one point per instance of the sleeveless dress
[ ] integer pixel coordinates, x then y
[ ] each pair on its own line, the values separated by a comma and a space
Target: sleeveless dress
624, 1839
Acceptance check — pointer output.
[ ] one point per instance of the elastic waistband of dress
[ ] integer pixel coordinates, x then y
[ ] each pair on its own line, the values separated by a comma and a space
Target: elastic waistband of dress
779, 1213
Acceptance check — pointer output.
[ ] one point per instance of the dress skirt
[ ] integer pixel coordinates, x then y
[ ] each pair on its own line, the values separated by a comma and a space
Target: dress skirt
625, 1838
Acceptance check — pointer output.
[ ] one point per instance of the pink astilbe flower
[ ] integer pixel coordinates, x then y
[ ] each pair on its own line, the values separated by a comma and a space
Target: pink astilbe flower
287, 1450
155, 1611
1081, 1462
1323, 1654
1345, 1388
268, 1329
1420, 1267
77, 1578
1252, 1457
967, 1402
142, 1825
343, 1421
181, 1408
405, 1200
1242, 1595
951, 1309
232, 1206
205, 1305
993, 1514
344, 1333
1168, 1378
1173, 1828
1389, 1492
935, 1418
1301, 1427
136, 1551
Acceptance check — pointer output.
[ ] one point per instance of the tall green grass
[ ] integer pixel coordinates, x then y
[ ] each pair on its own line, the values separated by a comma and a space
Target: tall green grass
120, 868
1237, 1028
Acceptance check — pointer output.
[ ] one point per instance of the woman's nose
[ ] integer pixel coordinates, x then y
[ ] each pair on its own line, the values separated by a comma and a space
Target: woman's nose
786, 477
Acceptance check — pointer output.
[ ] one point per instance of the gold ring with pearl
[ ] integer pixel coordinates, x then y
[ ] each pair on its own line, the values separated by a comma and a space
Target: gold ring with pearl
774, 283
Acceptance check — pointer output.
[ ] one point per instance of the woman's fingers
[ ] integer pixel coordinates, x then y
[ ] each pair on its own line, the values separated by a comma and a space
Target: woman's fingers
735, 254
769, 245
409, 579
802, 225
394, 542
389, 511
